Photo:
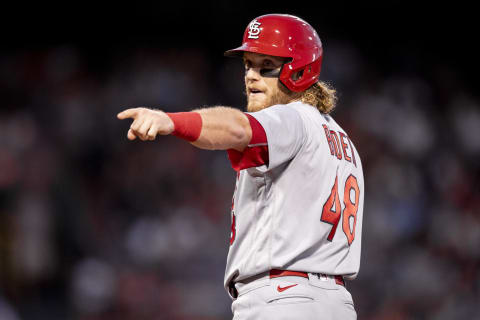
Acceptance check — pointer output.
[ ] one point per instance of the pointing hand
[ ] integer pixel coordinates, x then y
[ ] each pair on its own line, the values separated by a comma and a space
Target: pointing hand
147, 123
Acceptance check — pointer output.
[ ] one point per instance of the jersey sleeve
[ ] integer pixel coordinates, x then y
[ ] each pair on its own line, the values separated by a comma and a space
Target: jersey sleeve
283, 135
256, 153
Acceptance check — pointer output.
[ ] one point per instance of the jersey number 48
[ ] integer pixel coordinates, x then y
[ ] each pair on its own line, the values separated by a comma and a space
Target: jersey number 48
332, 209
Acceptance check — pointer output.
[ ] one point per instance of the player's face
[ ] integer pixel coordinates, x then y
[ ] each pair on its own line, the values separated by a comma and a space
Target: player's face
263, 90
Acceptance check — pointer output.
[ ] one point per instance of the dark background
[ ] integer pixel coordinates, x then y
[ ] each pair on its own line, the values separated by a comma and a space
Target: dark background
396, 35
93, 226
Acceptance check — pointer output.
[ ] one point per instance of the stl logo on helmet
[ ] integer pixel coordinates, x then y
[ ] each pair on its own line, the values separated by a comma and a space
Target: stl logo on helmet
254, 29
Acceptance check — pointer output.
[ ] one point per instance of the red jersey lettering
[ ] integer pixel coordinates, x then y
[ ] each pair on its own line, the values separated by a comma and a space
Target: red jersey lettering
329, 139
339, 143
338, 152
344, 146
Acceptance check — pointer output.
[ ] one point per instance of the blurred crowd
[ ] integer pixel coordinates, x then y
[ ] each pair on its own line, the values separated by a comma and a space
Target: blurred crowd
95, 227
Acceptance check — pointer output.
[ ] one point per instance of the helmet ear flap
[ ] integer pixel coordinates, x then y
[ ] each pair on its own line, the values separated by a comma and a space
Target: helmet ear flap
301, 78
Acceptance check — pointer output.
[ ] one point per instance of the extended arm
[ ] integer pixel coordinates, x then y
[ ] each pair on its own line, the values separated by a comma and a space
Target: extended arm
221, 128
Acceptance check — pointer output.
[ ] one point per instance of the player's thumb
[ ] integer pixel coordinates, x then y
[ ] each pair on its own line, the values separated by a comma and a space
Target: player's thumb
131, 135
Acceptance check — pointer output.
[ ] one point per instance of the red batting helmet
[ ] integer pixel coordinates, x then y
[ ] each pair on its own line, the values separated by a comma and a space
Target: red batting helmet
285, 36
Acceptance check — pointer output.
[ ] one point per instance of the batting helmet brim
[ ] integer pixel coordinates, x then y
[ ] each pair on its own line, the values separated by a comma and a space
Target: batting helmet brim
258, 48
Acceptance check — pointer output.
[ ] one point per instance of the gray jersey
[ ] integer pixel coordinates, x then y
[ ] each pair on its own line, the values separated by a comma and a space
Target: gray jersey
298, 201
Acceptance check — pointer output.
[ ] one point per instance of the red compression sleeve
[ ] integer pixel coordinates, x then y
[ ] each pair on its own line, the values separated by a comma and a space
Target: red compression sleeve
188, 125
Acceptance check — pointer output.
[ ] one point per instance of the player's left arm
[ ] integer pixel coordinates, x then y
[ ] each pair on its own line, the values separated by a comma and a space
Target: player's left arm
216, 128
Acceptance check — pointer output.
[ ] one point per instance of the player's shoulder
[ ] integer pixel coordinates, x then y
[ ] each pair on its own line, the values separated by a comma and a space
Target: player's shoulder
296, 111
292, 108
302, 107
281, 108
311, 114
279, 112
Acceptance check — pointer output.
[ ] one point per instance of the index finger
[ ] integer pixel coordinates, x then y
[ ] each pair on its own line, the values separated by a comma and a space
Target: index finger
129, 113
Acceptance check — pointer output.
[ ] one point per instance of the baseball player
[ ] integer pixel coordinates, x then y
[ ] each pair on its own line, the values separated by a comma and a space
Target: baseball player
298, 203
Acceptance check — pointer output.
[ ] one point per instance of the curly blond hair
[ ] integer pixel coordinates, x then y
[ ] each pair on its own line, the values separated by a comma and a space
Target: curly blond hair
321, 95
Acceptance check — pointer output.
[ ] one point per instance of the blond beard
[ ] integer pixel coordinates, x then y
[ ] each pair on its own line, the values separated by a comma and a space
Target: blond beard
281, 96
